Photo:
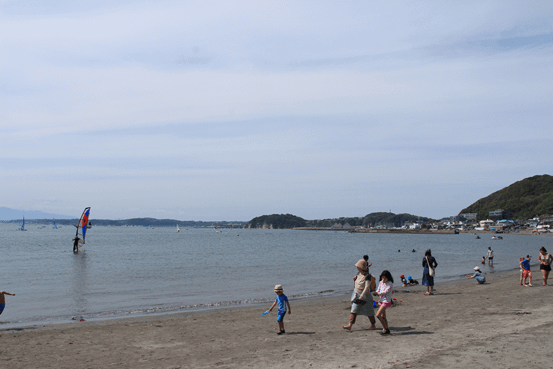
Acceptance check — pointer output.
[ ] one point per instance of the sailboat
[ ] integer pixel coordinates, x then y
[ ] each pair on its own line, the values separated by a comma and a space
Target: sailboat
54, 225
23, 225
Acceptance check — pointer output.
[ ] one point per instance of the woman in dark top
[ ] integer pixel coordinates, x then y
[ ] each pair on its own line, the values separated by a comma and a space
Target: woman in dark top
427, 279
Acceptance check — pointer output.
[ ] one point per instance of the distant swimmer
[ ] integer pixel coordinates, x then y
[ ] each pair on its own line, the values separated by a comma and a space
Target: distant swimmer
398, 250
3, 299
414, 250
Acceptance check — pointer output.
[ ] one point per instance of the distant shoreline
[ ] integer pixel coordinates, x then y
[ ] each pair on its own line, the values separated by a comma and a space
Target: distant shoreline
418, 231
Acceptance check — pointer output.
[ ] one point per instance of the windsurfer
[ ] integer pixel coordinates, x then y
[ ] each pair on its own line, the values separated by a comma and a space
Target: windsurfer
76, 244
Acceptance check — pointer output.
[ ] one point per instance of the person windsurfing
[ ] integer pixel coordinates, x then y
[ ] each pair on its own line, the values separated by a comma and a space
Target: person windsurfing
76, 244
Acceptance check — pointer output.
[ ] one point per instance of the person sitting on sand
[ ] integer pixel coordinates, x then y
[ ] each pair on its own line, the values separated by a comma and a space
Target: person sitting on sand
478, 275
3, 299
526, 272
404, 281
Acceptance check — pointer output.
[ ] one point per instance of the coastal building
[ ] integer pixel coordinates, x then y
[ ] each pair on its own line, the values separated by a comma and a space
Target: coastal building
499, 214
469, 216
485, 225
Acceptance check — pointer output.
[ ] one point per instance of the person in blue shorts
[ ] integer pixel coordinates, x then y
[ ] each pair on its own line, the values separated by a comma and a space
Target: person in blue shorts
283, 307
3, 299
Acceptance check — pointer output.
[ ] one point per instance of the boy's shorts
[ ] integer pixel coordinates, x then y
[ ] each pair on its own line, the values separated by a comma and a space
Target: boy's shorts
526, 273
281, 315
2, 306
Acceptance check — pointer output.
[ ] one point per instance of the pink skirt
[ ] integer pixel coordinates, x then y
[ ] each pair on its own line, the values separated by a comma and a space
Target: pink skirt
385, 304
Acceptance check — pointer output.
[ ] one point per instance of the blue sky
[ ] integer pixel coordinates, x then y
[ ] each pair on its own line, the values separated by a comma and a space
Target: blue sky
227, 110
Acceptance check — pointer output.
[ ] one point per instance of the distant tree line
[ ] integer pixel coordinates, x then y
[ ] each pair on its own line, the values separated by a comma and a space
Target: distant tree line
282, 221
137, 222
371, 220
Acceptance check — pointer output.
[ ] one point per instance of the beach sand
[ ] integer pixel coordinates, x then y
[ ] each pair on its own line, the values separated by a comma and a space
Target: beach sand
496, 325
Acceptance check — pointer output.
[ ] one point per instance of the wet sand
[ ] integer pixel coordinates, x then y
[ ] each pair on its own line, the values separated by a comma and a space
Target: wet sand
496, 325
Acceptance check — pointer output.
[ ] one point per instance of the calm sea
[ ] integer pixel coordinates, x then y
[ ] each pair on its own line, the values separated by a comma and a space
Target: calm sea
132, 271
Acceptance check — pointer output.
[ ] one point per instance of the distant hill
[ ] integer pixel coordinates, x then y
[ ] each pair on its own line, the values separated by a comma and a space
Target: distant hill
13, 214
524, 199
277, 221
281, 221
371, 220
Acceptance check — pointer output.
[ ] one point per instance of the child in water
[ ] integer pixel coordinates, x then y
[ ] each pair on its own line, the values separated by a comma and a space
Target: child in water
3, 299
384, 291
283, 303
483, 260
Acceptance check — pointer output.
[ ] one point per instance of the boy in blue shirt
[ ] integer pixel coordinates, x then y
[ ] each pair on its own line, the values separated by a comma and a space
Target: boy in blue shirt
283, 303
525, 271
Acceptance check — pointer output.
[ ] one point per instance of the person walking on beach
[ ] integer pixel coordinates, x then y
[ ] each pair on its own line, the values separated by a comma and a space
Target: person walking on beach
366, 258
526, 272
428, 280
545, 264
3, 300
384, 291
489, 256
283, 304
361, 299
478, 275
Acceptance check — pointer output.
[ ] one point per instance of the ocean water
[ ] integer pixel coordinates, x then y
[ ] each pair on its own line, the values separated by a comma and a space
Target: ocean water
132, 271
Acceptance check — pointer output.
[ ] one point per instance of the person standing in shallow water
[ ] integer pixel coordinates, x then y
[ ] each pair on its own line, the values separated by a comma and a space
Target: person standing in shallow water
489, 256
427, 279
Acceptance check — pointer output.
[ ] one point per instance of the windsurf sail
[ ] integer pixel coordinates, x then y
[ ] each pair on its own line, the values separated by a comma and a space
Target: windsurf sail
54, 224
23, 225
178, 229
82, 225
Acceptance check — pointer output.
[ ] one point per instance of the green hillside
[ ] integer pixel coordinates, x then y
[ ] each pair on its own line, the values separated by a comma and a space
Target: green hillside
276, 221
524, 199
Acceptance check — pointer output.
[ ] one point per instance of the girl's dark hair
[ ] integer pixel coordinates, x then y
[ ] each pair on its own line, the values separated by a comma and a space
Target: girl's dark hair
388, 275
366, 257
543, 249
427, 252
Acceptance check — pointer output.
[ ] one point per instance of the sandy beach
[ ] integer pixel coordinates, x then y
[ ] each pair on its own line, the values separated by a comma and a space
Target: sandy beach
496, 325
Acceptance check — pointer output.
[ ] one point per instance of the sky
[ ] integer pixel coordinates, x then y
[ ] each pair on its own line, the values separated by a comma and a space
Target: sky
228, 110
